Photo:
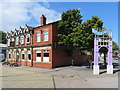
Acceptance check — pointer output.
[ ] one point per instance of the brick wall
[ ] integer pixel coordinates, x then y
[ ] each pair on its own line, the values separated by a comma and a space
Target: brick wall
60, 57
41, 29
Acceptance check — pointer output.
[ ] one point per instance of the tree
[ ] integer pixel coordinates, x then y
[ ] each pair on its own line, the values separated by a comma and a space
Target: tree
74, 34
2, 37
114, 46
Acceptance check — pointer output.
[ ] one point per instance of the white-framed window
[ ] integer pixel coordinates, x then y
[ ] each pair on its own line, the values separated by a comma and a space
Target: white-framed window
29, 55
46, 55
9, 55
8, 42
38, 55
28, 38
22, 39
23, 55
17, 40
12, 39
45, 35
38, 36
13, 55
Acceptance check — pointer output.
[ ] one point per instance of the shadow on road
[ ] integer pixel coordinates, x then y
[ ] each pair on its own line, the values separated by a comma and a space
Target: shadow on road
114, 71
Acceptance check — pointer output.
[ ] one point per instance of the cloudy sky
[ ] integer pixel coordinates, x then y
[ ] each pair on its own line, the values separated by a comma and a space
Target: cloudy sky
16, 14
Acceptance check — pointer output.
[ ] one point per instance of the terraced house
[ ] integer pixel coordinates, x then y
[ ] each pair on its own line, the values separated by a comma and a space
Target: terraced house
37, 46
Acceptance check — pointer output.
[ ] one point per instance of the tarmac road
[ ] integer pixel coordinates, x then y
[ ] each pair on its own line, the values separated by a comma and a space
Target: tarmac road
63, 77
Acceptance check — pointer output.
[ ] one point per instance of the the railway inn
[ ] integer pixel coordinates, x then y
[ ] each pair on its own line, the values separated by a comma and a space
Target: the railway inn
36, 46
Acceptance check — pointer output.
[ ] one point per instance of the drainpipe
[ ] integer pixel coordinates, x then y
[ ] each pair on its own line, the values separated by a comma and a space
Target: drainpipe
32, 53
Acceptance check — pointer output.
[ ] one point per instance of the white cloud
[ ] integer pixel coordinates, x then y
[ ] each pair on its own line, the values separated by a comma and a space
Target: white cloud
16, 14
38, 10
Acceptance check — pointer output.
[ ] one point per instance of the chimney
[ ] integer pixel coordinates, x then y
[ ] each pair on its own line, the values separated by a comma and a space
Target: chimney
42, 20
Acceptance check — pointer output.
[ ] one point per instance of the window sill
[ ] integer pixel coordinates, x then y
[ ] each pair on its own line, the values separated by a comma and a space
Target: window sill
23, 60
42, 62
28, 42
46, 41
37, 61
9, 59
38, 42
28, 60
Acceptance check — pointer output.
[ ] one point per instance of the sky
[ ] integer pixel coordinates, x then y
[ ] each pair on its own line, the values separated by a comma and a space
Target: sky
16, 14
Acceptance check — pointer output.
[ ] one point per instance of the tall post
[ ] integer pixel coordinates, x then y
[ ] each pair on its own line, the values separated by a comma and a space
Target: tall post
110, 66
96, 66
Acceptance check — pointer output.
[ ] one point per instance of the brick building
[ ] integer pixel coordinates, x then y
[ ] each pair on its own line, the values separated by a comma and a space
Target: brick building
36, 46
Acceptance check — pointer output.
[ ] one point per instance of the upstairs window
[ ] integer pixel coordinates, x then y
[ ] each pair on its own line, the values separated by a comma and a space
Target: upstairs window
28, 38
17, 40
12, 39
38, 37
22, 39
45, 35
8, 42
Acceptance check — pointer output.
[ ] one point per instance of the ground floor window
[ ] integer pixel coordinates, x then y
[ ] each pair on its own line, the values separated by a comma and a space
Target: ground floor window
23, 57
38, 55
12, 55
46, 55
9, 56
17, 56
29, 55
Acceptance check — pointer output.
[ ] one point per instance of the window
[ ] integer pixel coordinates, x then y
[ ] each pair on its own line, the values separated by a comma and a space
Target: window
46, 56
8, 42
23, 57
22, 39
9, 56
17, 40
46, 53
28, 38
29, 55
12, 39
38, 53
38, 36
12, 55
45, 36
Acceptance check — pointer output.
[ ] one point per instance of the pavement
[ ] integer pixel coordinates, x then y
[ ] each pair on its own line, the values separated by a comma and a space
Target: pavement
62, 77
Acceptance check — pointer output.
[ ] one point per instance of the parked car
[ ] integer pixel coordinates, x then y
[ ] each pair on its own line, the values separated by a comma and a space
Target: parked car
2, 57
